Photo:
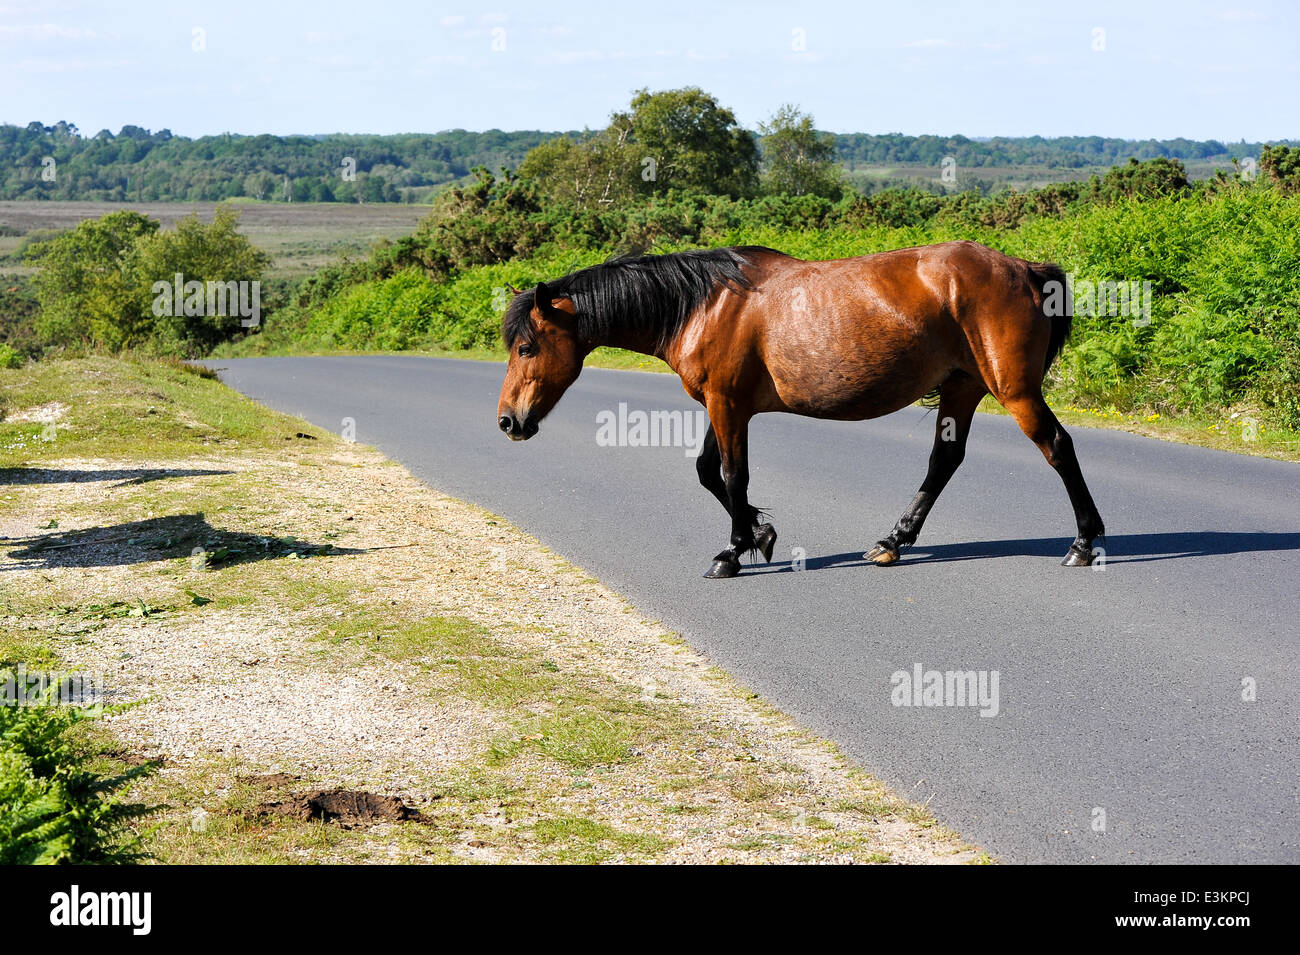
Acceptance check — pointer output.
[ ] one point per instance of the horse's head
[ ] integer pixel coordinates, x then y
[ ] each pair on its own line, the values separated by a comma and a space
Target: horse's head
545, 358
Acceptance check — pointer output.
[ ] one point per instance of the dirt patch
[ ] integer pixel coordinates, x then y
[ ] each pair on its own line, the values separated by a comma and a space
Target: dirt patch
269, 781
47, 413
343, 807
132, 760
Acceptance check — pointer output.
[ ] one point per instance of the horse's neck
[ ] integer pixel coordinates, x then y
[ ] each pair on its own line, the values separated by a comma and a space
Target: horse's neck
630, 341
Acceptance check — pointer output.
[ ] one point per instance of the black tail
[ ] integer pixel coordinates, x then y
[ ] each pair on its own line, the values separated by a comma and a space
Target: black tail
1055, 305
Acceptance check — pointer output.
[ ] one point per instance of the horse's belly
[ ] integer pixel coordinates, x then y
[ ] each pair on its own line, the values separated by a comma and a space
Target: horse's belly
867, 383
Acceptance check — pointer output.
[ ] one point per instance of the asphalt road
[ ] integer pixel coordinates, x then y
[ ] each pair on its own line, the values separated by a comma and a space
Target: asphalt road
1120, 691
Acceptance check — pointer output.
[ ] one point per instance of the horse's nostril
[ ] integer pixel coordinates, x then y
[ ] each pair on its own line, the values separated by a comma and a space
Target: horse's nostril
504, 422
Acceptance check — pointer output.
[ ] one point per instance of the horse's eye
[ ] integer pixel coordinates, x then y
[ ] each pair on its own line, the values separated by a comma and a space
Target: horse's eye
527, 351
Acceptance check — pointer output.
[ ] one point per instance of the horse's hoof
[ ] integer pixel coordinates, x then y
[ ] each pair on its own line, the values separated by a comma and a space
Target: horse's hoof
1077, 558
723, 568
765, 540
882, 555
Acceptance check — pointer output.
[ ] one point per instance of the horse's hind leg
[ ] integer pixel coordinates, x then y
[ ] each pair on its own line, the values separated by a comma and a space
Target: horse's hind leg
959, 396
1037, 421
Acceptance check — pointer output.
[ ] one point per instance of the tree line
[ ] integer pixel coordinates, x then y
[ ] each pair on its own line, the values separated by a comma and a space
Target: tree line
136, 164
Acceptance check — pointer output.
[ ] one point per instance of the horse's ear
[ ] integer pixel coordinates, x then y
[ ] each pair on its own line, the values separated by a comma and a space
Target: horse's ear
547, 309
542, 299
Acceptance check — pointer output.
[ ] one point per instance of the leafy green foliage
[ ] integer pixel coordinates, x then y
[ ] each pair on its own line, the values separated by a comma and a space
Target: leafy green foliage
200, 252
586, 173
54, 806
18, 312
490, 221
1142, 180
96, 285
678, 141
89, 286
798, 160
696, 144
1281, 165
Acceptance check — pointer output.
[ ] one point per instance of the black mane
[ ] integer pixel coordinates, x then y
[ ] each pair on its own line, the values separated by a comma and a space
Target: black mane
649, 296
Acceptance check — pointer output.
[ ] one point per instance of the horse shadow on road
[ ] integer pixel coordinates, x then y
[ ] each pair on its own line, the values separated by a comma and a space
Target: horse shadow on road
1119, 549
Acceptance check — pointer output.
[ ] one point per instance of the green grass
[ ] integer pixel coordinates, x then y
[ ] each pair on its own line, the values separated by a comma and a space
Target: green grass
463, 656
139, 408
581, 841
26, 649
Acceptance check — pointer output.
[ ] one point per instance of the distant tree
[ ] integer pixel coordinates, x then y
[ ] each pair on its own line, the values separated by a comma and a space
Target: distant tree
259, 185
593, 172
797, 160
683, 139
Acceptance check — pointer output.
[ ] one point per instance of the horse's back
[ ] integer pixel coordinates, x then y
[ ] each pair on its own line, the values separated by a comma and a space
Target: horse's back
864, 336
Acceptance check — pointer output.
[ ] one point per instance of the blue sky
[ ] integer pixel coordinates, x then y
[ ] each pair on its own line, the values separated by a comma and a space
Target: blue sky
1157, 69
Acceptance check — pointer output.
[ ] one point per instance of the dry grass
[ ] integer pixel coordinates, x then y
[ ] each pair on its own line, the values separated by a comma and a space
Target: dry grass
300, 236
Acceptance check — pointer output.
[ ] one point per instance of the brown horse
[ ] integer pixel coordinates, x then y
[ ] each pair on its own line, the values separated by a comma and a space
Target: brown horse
751, 330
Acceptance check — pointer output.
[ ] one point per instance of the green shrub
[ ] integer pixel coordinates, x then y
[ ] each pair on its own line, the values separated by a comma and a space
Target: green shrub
54, 807
1277, 386
9, 356
392, 313
98, 282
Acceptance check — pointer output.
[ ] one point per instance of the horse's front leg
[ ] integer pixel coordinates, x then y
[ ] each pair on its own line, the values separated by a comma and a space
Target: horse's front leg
728, 439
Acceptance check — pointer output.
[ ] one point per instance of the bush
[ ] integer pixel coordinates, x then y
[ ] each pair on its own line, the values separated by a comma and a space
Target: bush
9, 356
97, 282
54, 808
199, 252
1277, 386
88, 286
393, 313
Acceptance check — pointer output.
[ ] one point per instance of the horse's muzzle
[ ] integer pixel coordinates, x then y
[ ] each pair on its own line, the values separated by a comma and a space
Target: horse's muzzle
515, 429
